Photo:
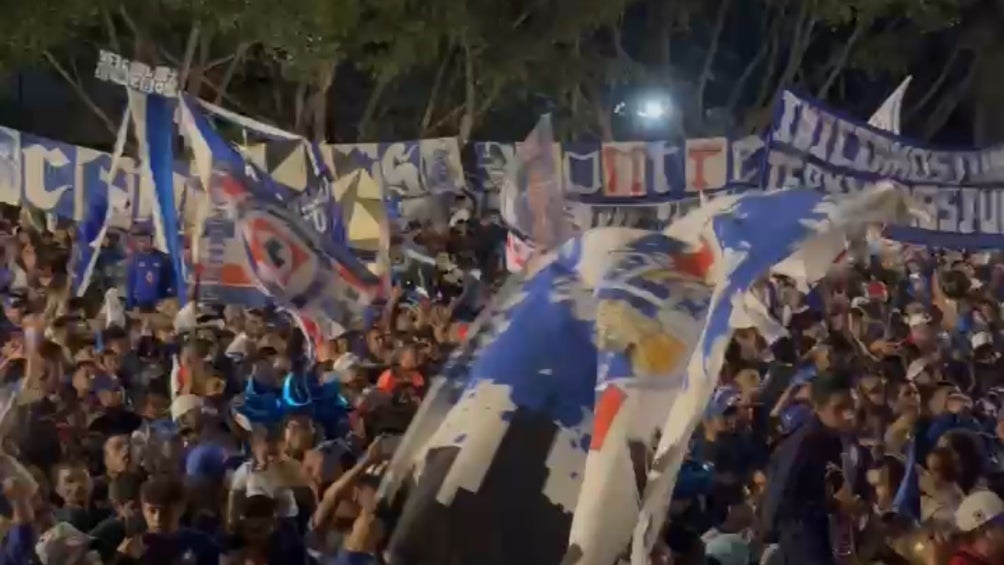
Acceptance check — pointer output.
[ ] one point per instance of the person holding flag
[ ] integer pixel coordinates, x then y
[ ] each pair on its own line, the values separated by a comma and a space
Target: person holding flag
149, 277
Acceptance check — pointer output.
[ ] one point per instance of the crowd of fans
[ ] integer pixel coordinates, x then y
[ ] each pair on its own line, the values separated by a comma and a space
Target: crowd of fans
137, 431
871, 433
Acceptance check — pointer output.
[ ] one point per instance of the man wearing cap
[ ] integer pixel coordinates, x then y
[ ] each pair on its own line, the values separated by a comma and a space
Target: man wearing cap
149, 276
798, 501
15, 306
980, 518
730, 446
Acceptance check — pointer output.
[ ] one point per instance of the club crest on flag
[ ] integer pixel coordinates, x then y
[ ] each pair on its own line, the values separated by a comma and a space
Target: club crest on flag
279, 258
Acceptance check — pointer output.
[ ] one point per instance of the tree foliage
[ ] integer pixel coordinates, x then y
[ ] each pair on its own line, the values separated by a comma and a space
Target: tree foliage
347, 70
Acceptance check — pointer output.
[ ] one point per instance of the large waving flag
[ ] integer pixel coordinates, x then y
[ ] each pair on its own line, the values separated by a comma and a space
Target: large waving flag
255, 248
748, 235
532, 199
153, 117
316, 201
651, 312
536, 444
514, 444
888, 115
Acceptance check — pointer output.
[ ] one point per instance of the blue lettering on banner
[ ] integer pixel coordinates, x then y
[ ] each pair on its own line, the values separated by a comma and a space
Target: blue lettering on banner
961, 190
747, 159
616, 174
10, 166
49, 173
59, 178
400, 164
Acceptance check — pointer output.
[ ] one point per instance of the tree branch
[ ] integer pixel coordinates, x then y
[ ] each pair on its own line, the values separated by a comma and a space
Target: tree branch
709, 59
113, 37
803, 36
220, 93
487, 102
197, 73
946, 107
228, 74
470, 103
364, 127
773, 58
299, 107
936, 85
222, 60
761, 54
129, 22
319, 103
601, 112
845, 53
437, 83
82, 94
186, 64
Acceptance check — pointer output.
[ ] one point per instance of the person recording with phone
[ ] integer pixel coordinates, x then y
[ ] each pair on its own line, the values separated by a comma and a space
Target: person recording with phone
165, 540
127, 522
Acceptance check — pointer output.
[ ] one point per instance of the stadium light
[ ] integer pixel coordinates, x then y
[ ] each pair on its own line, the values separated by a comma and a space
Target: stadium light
653, 110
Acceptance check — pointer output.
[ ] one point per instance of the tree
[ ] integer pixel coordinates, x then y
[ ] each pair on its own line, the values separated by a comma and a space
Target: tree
347, 70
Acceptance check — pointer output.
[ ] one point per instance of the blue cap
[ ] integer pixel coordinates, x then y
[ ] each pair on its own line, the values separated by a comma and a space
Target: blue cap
105, 382
163, 426
206, 461
794, 416
695, 479
805, 374
725, 397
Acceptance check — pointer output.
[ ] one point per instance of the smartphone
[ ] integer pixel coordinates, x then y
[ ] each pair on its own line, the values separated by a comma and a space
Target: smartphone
389, 444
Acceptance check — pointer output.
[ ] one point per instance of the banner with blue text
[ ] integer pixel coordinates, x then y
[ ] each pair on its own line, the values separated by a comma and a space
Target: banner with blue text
656, 178
962, 190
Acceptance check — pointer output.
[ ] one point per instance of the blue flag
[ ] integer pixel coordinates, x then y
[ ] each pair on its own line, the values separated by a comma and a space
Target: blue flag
153, 116
91, 232
907, 500
257, 246
533, 201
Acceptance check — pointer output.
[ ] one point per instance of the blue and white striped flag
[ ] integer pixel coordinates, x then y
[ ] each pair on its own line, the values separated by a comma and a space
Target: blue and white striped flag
93, 227
262, 250
535, 446
153, 117
748, 234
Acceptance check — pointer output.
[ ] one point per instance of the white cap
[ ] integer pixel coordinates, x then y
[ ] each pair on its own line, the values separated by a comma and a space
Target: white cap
184, 404
979, 509
113, 310
239, 346
860, 302
345, 362
918, 320
728, 549
461, 215
980, 339
916, 368
186, 319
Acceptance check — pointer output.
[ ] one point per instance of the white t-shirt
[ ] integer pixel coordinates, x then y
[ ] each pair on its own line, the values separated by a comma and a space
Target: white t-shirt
268, 483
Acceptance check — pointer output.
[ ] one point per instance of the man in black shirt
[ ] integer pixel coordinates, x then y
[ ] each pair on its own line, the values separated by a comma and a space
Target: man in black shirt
798, 499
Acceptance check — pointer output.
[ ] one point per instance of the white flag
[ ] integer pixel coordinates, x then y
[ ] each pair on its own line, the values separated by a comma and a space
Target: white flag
887, 116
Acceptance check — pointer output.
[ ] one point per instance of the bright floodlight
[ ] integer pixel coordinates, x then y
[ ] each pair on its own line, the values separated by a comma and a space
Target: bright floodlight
652, 110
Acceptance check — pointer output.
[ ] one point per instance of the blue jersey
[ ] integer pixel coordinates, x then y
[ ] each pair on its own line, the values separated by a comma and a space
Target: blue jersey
149, 279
